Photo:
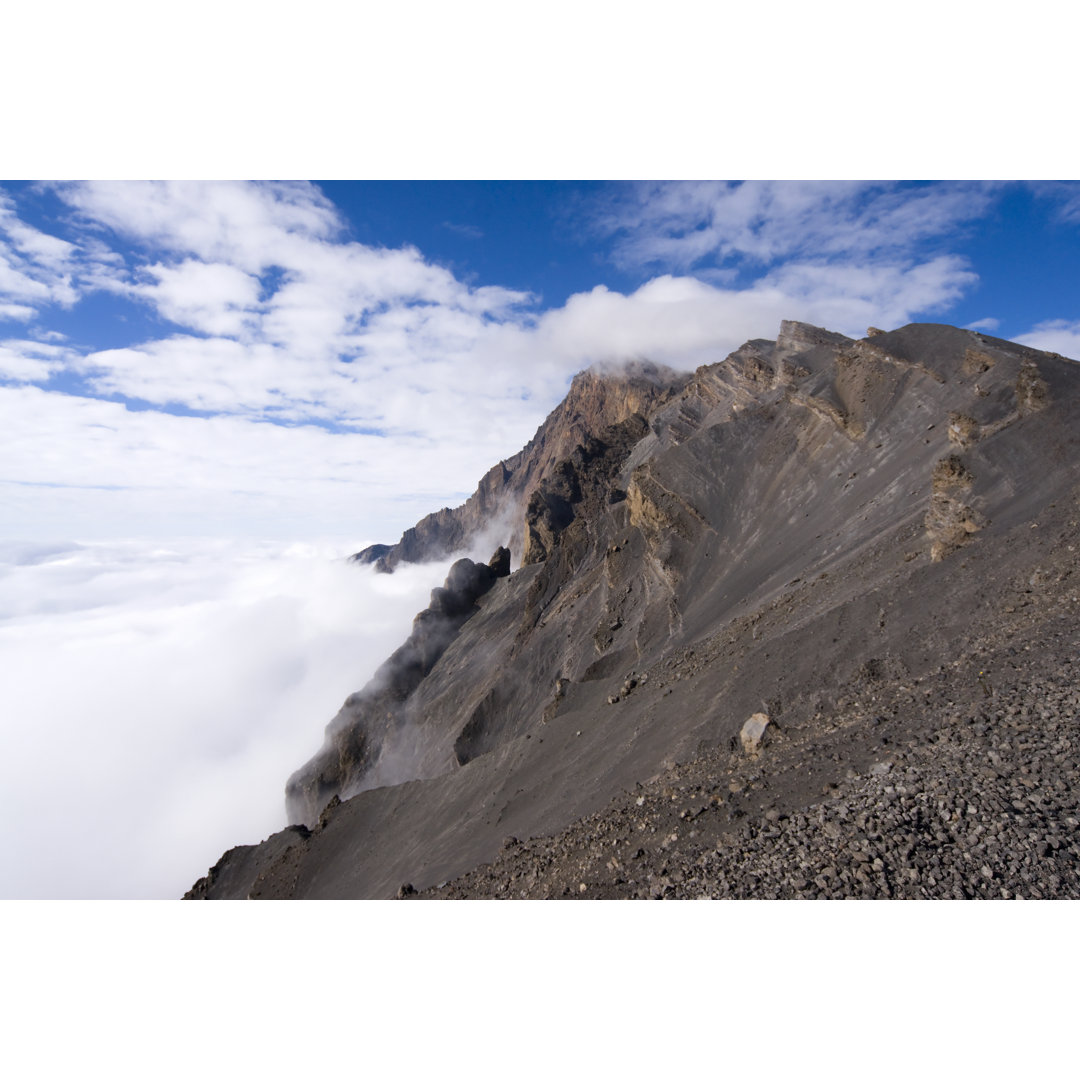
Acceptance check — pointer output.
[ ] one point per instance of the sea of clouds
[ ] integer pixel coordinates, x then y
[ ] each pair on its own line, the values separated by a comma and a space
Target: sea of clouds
155, 697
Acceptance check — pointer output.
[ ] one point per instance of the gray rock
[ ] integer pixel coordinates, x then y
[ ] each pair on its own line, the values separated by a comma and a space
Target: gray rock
753, 732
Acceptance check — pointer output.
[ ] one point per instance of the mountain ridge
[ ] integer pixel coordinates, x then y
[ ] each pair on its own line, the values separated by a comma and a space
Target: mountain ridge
594, 401
695, 547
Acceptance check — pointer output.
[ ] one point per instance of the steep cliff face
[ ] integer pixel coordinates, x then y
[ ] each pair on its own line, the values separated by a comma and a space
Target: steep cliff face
696, 549
595, 402
363, 745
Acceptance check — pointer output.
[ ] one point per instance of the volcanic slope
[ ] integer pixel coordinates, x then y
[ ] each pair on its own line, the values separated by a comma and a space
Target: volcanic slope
817, 529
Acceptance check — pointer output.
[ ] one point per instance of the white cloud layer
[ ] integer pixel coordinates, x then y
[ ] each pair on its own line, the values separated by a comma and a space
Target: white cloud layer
76, 467
154, 699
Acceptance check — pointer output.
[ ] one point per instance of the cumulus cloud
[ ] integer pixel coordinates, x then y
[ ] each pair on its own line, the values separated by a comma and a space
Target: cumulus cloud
326, 286
31, 361
1055, 335
212, 297
299, 323
156, 698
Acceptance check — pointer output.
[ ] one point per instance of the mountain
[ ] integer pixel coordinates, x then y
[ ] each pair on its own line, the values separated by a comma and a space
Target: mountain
749, 598
596, 401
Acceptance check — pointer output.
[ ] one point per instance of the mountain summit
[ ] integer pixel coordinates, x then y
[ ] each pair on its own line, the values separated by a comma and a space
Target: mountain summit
754, 585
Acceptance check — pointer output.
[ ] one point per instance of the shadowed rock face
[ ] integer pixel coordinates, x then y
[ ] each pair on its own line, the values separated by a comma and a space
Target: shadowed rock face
363, 747
746, 539
594, 403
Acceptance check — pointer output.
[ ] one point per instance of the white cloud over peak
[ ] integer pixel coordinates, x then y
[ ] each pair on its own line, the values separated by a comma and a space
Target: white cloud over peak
684, 321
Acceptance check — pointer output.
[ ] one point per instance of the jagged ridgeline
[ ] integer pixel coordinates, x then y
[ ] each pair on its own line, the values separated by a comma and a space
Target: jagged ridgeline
694, 549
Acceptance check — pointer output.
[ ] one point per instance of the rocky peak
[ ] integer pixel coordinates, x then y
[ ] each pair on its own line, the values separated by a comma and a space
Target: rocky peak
598, 399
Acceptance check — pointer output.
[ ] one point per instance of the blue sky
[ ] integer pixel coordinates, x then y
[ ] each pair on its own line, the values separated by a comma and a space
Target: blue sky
336, 359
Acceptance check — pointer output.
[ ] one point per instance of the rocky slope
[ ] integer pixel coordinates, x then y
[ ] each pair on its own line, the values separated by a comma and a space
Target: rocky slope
964, 783
839, 535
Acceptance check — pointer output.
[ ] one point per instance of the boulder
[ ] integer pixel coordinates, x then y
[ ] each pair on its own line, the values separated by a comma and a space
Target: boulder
753, 731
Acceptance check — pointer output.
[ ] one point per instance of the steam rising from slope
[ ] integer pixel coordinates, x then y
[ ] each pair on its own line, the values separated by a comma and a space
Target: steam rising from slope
155, 700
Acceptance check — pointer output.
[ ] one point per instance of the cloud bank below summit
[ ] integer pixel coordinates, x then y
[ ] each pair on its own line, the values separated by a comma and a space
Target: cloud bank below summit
155, 699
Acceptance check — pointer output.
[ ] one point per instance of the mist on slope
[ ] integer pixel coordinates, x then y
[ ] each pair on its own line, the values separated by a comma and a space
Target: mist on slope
154, 699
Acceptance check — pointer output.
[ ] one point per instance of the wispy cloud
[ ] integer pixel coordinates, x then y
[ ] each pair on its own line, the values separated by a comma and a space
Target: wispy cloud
680, 225
1063, 194
470, 232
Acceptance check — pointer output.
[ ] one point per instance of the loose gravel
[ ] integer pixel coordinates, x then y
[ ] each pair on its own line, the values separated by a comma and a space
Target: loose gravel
963, 785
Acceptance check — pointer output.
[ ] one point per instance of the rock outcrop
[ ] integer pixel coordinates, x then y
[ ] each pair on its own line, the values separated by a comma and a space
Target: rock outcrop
363, 745
809, 530
595, 402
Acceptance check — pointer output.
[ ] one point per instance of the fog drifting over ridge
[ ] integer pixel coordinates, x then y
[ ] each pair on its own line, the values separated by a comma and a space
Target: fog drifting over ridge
155, 699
